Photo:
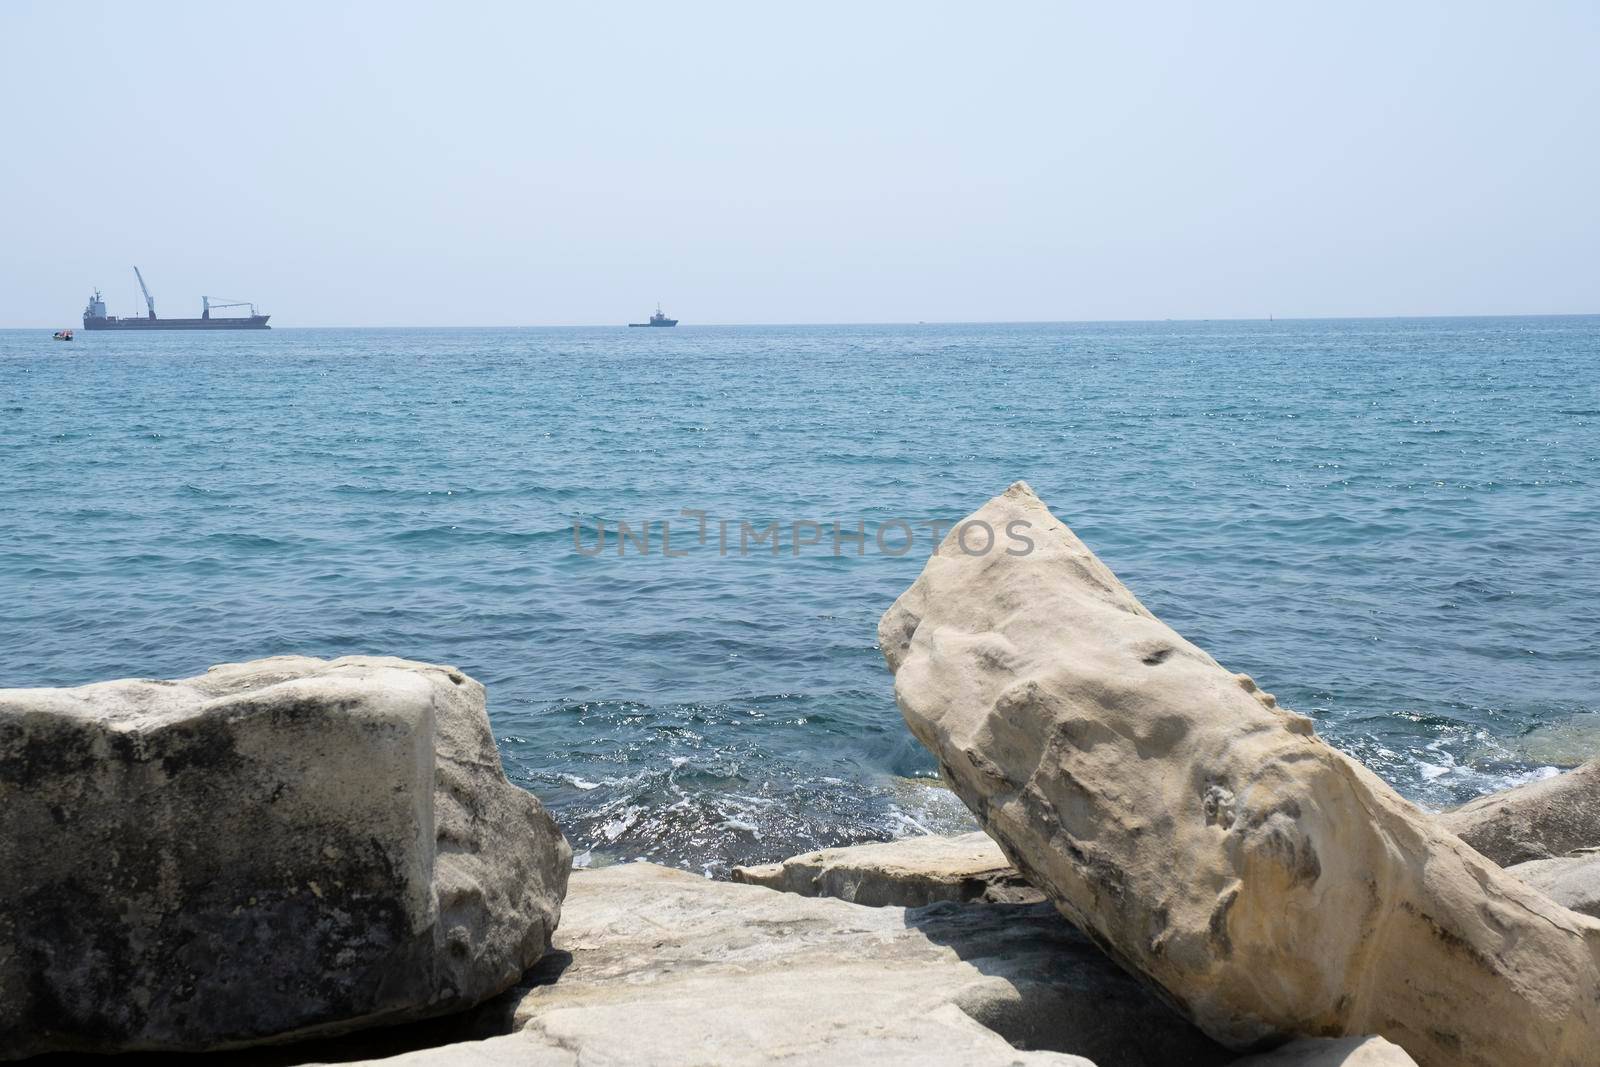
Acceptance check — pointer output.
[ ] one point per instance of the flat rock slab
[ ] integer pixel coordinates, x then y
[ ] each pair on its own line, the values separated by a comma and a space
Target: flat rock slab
668, 968
909, 873
1332, 1052
270, 850
1571, 881
1538, 821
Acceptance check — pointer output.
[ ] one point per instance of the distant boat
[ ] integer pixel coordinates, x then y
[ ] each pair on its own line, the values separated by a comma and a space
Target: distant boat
658, 319
95, 317
63, 335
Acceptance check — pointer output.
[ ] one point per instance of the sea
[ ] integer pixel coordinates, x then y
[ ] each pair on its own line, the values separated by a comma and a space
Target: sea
1390, 523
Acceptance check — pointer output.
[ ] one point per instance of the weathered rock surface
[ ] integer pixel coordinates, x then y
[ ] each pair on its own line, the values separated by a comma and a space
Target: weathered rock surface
1270, 885
908, 873
1571, 881
1332, 1052
1537, 821
284, 847
667, 968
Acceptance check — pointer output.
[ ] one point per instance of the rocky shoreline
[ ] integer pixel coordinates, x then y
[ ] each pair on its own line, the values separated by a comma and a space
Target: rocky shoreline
1172, 870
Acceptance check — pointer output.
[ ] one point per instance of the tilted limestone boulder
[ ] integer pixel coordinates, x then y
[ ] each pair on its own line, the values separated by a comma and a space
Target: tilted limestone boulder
1332, 1052
1207, 838
1537, 821
656, 967
277, 848
908, 873
1571, 881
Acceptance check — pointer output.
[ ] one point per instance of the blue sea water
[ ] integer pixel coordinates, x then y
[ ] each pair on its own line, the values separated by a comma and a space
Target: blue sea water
1391, 524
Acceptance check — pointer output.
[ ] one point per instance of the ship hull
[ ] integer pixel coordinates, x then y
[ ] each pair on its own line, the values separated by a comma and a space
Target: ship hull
239, 322
669, 322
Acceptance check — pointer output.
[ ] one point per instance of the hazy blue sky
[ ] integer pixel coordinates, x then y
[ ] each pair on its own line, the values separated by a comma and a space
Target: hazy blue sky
522, 164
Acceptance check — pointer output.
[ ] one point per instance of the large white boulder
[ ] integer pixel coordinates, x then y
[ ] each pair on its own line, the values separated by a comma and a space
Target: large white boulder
1208, 838
269, 850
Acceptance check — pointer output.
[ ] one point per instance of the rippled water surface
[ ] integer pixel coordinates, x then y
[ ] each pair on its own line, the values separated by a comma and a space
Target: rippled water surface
1391, 524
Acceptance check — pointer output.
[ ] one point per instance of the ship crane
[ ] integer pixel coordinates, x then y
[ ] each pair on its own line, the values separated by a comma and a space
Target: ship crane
149, 301
206, 304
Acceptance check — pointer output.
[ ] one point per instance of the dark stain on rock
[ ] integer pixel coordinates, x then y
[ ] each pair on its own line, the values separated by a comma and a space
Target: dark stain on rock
1277, 833
206, 743
35, 755
1217, 927
1160, 920
1446, 1039
1164, 735
1449, 938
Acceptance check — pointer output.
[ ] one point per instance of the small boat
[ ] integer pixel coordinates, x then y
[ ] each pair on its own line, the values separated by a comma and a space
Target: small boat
658, 319
63, 335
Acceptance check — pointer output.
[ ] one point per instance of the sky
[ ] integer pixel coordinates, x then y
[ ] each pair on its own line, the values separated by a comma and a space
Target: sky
531, 164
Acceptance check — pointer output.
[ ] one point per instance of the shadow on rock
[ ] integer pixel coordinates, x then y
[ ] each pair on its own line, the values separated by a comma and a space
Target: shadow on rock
492, 1018
1051, 989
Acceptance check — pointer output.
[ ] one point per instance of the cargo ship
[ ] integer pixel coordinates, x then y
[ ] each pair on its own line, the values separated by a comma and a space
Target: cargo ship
95, 317
657, 319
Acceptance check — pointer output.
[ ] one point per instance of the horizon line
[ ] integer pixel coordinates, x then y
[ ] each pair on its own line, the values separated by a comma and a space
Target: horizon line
885, 322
